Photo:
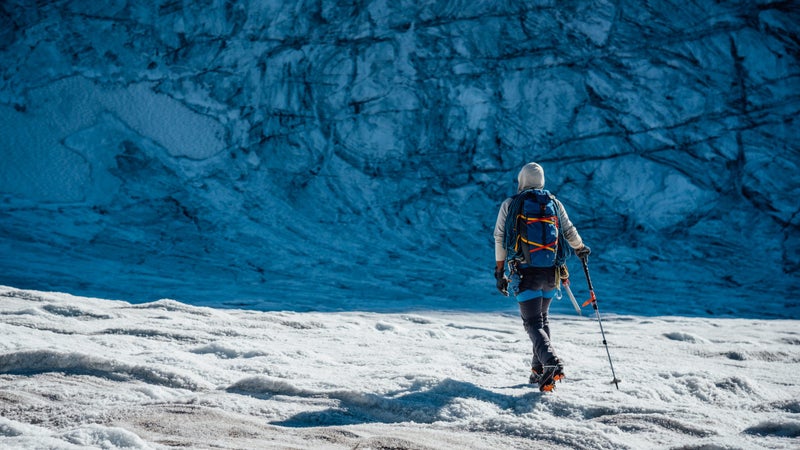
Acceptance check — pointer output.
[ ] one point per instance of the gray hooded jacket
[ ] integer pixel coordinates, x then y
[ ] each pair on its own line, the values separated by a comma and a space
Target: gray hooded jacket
531, 176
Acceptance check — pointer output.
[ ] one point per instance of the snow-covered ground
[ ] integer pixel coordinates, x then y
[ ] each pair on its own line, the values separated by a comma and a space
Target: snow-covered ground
91, 373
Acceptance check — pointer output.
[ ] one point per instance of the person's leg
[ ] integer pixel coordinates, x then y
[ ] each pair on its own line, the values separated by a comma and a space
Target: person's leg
541, 282
546, 301
533, 321
528, 310
536, 290
552, 369
547, 283
525, 295
545, 315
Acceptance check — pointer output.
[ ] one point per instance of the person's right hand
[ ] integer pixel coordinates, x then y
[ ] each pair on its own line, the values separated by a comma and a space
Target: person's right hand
502, 281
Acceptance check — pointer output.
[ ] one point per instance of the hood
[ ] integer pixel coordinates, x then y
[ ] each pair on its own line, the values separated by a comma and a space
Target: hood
531, 176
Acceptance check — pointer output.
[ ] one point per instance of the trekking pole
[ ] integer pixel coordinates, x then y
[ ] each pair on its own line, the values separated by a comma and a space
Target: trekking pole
593, 301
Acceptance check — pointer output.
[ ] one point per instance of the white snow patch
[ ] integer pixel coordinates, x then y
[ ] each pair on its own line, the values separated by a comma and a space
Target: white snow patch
89, 373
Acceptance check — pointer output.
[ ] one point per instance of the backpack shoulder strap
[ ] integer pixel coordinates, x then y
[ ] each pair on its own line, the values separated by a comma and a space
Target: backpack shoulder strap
511, 237
564, 251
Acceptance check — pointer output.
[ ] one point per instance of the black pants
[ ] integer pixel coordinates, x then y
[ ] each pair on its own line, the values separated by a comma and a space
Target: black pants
534, 319
534, 313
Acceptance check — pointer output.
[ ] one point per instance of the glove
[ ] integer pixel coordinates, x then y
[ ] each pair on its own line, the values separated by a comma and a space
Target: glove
502, 282
583, 252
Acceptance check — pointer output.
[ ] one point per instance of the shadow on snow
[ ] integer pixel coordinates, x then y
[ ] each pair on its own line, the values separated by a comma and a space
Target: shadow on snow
446, 401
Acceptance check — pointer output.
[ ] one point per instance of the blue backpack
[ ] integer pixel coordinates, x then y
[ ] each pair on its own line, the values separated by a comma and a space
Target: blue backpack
533, 235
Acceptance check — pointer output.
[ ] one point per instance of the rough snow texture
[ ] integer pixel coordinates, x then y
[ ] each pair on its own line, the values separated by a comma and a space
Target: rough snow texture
88, 373
357, 151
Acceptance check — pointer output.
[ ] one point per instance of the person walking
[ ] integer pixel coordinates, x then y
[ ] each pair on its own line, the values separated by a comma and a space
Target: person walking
529, 233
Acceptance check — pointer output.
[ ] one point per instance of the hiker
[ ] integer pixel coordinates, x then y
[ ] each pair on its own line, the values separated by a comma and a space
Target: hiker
534, 267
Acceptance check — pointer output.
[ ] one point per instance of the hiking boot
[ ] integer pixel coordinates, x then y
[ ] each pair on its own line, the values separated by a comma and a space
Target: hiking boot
549, 376
536, 373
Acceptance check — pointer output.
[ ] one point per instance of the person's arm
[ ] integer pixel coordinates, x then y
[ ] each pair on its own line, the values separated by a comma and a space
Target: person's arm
569, 230
500, 234
571, 233
500, 249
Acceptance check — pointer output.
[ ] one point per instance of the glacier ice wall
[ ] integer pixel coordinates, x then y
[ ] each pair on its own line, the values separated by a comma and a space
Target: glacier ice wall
321, 154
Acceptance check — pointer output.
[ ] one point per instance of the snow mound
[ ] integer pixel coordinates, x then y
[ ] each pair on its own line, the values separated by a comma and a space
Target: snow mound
42, 361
